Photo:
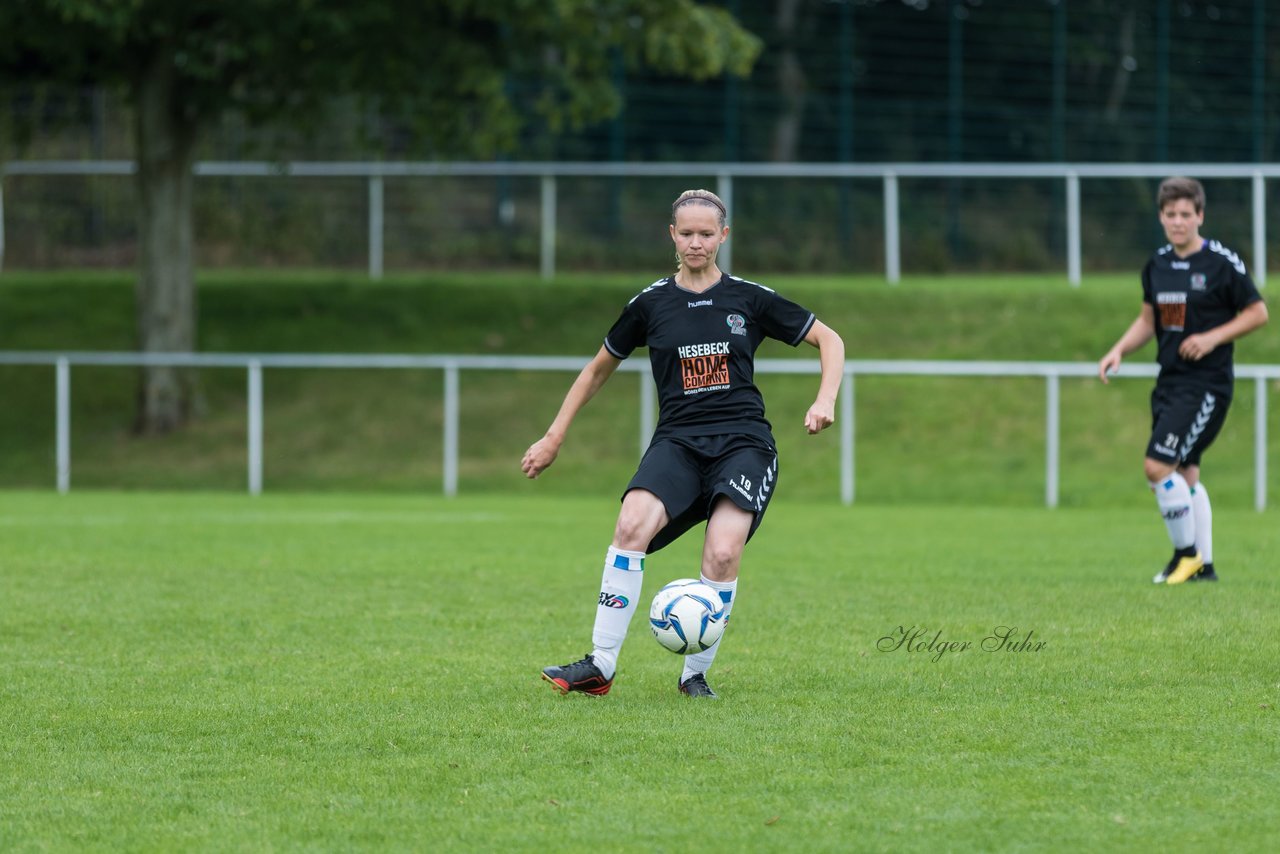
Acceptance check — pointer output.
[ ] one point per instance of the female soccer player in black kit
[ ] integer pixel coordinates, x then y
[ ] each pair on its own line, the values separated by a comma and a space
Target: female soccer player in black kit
1196, 299
712, 457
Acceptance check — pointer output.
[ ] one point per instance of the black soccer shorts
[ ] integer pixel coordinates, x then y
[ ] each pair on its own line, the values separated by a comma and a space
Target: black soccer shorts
1184, 422
688, 474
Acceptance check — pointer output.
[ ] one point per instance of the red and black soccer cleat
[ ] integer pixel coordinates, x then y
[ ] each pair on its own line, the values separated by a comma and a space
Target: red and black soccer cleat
582, 676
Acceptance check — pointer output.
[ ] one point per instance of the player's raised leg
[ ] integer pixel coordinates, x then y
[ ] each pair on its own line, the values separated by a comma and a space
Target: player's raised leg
727, 532
641, 517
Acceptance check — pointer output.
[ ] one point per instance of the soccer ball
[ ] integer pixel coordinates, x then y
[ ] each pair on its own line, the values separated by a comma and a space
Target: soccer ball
687, 616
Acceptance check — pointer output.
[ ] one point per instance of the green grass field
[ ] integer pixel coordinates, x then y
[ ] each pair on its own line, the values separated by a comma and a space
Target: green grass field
350, 662
204, 671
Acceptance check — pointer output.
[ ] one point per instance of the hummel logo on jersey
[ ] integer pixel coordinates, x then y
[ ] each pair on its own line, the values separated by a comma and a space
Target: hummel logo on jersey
743, 486
1202, 421
1181, 265
700, 302
612, 600
1231, 257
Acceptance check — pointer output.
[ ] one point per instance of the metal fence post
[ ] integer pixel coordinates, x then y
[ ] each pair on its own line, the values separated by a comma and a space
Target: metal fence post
451, 429
724, 189
1, 223
648, 403
62, 395
846, 440
375, 226
1073, 229
892, 245
1259, 229
1260, 443
548, 242
255, 427
1051, 424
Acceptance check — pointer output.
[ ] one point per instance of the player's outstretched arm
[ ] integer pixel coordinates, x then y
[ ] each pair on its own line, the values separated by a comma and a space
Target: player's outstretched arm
1139, 332
542, 453
831, 356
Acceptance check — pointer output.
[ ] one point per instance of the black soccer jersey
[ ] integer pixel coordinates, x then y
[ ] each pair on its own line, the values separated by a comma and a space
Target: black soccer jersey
1193, 295
702, 351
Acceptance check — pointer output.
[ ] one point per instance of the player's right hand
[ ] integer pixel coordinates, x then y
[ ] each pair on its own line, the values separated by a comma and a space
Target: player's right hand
1108, 365
541, 454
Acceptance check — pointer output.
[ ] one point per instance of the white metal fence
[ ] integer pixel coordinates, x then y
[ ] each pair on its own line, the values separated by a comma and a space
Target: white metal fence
452, 366
886, 173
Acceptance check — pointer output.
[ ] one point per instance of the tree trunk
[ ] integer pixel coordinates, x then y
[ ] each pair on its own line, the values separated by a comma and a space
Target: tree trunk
792, 84
165, 293
1124, 70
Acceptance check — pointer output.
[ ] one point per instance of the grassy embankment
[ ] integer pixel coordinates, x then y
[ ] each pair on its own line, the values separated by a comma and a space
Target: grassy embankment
919, 439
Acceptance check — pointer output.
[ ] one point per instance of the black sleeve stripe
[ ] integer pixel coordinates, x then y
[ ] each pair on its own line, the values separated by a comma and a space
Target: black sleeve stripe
612, 350
808, 324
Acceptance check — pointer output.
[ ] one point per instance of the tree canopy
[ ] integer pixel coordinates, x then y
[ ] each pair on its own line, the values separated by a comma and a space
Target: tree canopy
447, 71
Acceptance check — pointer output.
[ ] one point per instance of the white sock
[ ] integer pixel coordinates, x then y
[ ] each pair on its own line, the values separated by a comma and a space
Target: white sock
1173, 496
619, 593
700, 662
1204, 521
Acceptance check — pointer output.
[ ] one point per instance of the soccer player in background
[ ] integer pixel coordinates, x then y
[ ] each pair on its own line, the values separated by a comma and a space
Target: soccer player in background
712, 457
1197, 298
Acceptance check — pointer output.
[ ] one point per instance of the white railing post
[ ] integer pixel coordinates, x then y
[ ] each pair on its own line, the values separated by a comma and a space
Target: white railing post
846, 440
451, 429
255, 427
375, 226
1051, 424
724, 189
1259, 229
547, 254
648, 403
892, 244
62, 395
452, 365
1, 223
1260, 444
1073, 229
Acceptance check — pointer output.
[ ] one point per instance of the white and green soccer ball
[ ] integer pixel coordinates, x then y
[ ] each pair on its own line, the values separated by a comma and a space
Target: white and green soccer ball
687, 616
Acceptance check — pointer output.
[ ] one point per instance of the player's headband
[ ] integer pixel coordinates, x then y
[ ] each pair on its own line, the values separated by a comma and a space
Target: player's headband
712, 200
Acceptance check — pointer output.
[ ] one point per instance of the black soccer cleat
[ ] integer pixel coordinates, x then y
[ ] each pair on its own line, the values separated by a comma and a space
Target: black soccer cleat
1205, 574
696, 686
582, 676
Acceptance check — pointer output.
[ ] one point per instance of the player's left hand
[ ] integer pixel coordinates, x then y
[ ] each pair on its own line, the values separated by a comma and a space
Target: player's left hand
819, 417
1196, 347
541, 454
